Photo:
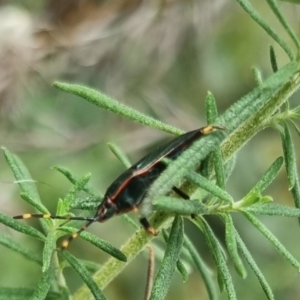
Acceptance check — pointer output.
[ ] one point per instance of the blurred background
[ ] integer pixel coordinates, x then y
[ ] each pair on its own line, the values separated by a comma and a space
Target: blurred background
160, 57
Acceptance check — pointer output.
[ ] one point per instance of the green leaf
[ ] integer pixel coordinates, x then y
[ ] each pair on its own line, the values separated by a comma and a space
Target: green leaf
230, 239
203, 269
103, 245
23, 294
273, 59
214, 247
265, 231
209, 186
268, 177
219, 168
289, 155
296, 193
273, 209
73, 179
44, 285
211, 108
249, 200
246, 5
211, 116
84, 274
131, 222
90, 265
180, 265
114, 106
182, 270
21, 227
179, 206
274, 6
38, 205
249, 259
120, 155
79, 185
86, 203
229, 167
49, 247
25, 181
165, 273
15, 246
257, 77
22, 175
15, 293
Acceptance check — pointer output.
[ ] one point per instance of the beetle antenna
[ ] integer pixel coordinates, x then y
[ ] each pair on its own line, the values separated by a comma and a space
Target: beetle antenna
67, 241
47, 216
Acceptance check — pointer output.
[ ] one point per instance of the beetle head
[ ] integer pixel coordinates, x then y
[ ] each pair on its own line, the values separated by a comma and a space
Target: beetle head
106, 210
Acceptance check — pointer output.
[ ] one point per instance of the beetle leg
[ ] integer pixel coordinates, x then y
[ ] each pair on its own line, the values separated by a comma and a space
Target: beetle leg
135, 210
183, 195
180, 193
145, 223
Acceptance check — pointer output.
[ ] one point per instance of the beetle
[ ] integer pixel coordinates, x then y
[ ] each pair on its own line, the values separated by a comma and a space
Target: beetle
126, 193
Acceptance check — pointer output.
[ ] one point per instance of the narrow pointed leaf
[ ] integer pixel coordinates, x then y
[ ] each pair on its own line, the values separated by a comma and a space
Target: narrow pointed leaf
250, 199
211, 116
84, 274
103, 245
273, 59
15, 293
274, 6
179, 206
182, 270
268, 177
257, 76
203, 270
21, 227
18, 247
180, 265
24, 294
296, 193
22, 174
168, 265
229, 167
246, 5
49, 247
131, 222
90, 265
73, 179
219, 168
209, 186
273, 209
214, 246
114, 106
211, 108
281, 249
230, 239
295, 127
78, 186
38, 205
44, 285
120, 155
248, 257
289, 155
86, 203
25, 181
